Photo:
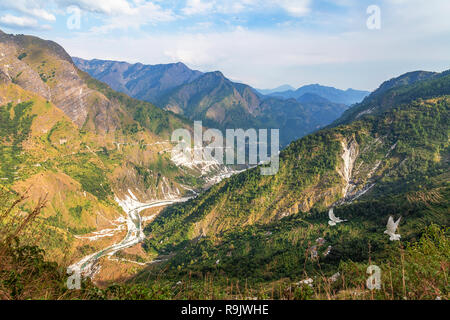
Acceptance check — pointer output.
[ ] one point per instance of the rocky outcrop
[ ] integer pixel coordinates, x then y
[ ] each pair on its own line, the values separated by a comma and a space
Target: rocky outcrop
44, 68
4, 78
349, 155
19, 72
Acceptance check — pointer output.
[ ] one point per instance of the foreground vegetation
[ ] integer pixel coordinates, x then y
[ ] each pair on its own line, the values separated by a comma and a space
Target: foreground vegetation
419, 270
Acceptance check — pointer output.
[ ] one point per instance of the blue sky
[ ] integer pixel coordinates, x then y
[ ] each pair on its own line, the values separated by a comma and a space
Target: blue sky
264, 43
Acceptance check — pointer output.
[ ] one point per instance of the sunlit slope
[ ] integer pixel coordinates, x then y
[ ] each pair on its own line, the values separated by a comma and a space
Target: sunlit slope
72, 139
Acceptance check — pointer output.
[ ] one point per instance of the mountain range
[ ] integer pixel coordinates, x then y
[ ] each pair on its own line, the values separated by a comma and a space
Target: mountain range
347, 97
282, 88
143, 82
214, 99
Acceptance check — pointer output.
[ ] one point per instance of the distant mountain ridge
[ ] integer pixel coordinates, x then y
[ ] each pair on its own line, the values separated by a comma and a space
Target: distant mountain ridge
348, 97
223, 104
143, 82
282, 88
214, 99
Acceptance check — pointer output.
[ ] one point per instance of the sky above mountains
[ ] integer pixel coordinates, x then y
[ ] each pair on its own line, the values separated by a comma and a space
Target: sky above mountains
264, 43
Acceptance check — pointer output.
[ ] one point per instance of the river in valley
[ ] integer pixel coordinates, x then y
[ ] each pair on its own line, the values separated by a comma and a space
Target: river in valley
86, 267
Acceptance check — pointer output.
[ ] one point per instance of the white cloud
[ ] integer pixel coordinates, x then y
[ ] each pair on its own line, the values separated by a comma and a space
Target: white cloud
142, 14
29, 7
122, 14
40, 13
296, 8
109, 7
422, 17
12, 21
198, 7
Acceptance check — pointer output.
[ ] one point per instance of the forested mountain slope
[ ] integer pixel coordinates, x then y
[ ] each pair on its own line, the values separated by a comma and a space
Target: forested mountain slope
391, 162
403, 89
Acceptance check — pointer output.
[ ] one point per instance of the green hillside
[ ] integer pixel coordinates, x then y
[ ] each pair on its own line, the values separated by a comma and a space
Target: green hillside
263, 229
